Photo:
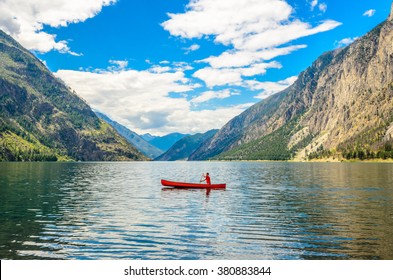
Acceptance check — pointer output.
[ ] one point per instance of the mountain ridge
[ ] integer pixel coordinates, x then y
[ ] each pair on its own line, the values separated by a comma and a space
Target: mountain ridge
132, 137
165, 142
43, 119
340, 107
183, 148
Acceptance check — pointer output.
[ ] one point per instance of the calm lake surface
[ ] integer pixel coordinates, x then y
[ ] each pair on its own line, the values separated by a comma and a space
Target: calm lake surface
268, 211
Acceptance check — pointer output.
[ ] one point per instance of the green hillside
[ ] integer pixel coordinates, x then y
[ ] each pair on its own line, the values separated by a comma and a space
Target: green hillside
42, 119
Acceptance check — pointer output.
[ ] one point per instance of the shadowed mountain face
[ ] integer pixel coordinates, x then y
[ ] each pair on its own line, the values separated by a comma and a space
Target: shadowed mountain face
165, 142
42, 119
183, 148
133, 138
341, 106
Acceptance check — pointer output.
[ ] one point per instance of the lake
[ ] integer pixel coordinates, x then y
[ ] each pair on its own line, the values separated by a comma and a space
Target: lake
270, 210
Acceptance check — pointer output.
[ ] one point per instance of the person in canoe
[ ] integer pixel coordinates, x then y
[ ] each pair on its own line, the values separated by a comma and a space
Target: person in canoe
206, 178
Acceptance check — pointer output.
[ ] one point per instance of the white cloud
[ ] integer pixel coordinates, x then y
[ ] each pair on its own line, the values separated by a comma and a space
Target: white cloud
121, 64
345, 42
246, 25
25, 20
254, 31
283, 34
313, 4
270, 88
217, 77
209, 95
141, 100
182, 66
244, 58
258, 68
192, 48
227, 20
204, 120
322, 7
159, 69
232, 76
369, 13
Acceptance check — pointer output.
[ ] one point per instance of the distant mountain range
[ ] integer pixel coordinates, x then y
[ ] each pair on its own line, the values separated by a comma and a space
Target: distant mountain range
179, 146
42, 119
141, 144
165, 142
183, 148
148, 137
341, 107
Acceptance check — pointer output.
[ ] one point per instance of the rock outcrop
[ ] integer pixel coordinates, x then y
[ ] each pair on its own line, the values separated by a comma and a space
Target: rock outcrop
341, 105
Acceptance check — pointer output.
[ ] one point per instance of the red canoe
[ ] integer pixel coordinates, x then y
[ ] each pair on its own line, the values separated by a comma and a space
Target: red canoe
192, 185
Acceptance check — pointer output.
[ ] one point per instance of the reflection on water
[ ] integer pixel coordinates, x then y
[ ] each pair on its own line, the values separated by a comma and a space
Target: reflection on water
268, 211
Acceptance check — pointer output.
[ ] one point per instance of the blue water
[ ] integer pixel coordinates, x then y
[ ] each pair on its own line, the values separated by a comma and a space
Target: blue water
268, 211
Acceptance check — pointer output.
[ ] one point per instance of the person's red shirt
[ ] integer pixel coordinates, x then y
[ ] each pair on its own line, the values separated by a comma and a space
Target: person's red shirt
208, 179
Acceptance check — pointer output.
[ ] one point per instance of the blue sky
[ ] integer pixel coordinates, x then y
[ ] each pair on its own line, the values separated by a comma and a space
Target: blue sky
180, 65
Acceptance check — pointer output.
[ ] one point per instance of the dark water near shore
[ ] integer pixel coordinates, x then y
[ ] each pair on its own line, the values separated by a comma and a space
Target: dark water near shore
269, 211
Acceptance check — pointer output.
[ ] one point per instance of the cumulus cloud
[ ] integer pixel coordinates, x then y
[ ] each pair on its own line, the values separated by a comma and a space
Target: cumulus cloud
192, 48
160, 69
203, 120
218, 77
25, 20
345, 42
313, 4
209, 95
226, 20
369, 13
146, 101
232, 76
119, 64
244, 58
282, 35
321, 6
270, 88
254, 31
239, 23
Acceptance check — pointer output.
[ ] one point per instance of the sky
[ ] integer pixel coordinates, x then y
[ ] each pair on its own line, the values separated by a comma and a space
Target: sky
163, 66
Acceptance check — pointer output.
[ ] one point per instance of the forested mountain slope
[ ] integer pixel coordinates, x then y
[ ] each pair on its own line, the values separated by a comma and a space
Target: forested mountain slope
42, 119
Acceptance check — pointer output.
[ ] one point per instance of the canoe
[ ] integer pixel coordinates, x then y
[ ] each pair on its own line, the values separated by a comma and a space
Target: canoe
192, 185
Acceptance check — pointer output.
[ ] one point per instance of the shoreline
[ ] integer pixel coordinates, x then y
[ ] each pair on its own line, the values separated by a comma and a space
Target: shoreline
327, 160
313, 161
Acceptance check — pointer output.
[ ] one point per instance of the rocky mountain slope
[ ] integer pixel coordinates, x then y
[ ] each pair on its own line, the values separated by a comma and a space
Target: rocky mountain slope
340, 107
42, 119
183, 148
133, 138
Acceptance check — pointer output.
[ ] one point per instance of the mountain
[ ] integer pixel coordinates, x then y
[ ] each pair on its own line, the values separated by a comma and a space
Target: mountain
340, 107
183, 148
167, 141
133, 138
148, 137
42, 119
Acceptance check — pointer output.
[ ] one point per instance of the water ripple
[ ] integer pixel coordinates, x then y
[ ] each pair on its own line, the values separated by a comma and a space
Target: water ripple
268, 211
